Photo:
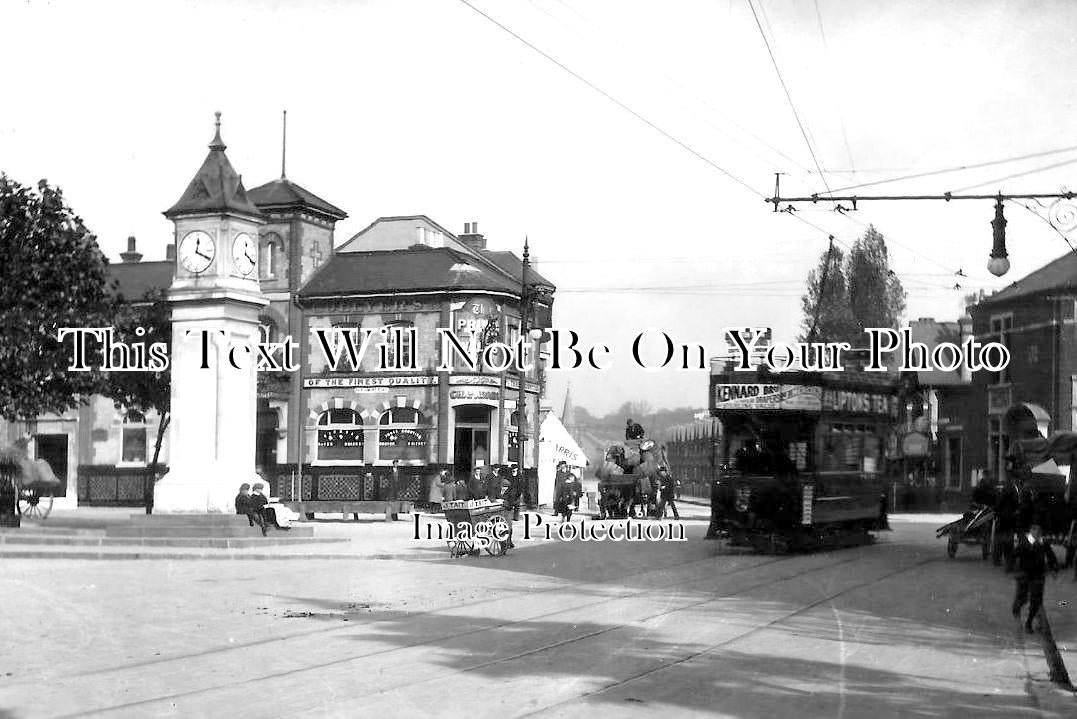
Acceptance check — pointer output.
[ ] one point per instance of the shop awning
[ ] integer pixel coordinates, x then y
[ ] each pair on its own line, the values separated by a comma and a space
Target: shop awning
561, 445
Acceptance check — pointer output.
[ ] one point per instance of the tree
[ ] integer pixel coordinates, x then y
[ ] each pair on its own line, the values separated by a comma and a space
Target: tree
53, 275
827, 315
146, 321
876, 296
848, 294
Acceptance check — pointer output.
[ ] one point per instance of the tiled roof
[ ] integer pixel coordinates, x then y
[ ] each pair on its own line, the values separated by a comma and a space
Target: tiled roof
216, 187
137, 278
284, 193
405, 271
1059, 274
513, 266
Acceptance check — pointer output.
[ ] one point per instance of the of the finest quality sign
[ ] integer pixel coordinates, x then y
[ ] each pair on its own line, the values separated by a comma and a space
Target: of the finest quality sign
789, 397
312, 382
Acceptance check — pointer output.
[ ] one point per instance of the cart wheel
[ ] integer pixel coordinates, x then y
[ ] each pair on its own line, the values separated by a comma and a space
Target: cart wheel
951, 547
459, 548
496, 547
34, 505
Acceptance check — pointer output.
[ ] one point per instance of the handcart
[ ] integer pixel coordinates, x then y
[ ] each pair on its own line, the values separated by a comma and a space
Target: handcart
478, 524
977, 526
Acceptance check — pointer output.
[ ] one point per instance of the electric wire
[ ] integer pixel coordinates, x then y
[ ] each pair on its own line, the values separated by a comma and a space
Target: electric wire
617, 102
670, 136
1033, 171
788, 96
948, 170
673, 81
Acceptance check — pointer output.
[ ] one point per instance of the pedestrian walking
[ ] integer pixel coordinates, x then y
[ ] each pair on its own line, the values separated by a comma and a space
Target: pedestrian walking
515, 490
558, 481
1034, 558
667, 493
394, 486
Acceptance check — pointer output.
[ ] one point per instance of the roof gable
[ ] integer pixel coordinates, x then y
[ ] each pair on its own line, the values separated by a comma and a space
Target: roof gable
1055, 275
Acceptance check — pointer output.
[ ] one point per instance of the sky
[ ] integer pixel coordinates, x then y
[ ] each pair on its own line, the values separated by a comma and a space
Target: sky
633, 144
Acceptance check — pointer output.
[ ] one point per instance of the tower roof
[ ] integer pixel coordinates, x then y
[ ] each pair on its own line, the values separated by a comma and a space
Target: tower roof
216, 187
284, 194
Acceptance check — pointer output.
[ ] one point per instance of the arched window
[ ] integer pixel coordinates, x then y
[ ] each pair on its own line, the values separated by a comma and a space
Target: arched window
340, 435
269, 255
133, 438
403, 433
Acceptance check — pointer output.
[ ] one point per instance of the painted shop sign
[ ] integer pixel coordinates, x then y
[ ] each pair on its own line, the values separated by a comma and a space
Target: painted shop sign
859, 402
319, 382
790, 397
473, 394
490, 381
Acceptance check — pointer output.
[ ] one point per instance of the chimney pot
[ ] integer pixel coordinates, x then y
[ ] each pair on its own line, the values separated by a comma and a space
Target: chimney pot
132, 255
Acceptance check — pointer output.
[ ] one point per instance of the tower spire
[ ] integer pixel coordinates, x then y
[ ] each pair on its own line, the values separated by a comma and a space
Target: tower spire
283, 144
218, 143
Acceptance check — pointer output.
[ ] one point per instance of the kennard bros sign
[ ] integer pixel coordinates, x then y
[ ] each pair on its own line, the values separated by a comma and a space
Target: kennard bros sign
801, 398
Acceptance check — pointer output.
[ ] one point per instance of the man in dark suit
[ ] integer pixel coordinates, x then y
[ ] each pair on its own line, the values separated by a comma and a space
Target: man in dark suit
1034, 558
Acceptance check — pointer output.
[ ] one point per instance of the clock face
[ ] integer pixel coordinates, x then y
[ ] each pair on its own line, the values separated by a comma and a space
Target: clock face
196, 252
244, 252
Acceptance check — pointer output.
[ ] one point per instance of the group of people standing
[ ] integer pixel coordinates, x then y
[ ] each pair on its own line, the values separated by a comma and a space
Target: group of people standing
494, 482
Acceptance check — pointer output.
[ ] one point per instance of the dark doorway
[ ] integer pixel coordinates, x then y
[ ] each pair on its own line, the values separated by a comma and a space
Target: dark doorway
471, 445
53, 449
265, 444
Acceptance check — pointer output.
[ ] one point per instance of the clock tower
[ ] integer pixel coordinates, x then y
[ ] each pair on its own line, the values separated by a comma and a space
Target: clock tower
216, 302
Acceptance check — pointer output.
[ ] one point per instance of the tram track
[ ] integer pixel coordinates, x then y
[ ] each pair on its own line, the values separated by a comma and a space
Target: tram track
269, 641
710, 597
732, 640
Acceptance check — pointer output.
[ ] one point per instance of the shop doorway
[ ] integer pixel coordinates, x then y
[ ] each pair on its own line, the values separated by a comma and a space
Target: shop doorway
471, 445
265, 445
53, 449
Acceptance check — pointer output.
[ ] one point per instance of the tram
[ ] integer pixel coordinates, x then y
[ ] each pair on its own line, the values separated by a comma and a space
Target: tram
800, 459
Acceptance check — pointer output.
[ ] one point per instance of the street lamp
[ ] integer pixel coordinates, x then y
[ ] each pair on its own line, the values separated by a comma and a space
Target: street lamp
999, 264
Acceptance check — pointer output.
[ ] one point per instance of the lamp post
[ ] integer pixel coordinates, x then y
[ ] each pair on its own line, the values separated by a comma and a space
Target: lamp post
521, 401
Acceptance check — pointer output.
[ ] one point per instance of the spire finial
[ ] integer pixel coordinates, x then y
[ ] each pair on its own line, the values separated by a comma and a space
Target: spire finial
283, 144
218, 143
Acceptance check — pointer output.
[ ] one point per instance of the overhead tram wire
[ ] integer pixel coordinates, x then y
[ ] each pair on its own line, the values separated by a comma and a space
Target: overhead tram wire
1033, 171
788, 96
957, 168
643, 119
690, 92
620, 104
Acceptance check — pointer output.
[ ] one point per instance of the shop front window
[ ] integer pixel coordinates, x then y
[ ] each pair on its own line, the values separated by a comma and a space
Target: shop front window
133, 438
340, 435
403, 434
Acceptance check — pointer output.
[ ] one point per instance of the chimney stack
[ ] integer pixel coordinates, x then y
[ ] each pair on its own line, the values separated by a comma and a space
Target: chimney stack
170, 251
471, 236
131, 255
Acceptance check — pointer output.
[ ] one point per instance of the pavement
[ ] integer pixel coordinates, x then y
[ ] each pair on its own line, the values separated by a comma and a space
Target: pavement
554, 628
